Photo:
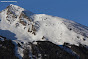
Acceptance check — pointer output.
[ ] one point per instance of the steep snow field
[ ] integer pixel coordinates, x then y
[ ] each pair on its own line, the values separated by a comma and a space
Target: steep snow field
20, 25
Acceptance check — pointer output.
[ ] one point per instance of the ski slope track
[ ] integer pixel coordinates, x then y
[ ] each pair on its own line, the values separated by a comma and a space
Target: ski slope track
28, 26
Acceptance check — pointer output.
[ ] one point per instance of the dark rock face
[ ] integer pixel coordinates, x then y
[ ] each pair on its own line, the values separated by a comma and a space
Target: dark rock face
42, 50
49, 50
81, 51
7, 50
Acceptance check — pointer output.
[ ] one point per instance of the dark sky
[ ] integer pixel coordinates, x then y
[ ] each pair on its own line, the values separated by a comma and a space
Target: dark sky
76, 10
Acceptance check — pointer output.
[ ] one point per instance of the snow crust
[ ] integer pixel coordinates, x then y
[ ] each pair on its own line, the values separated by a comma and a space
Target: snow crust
27, 26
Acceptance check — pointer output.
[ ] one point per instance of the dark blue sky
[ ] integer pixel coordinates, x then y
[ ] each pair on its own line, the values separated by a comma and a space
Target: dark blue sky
76, 10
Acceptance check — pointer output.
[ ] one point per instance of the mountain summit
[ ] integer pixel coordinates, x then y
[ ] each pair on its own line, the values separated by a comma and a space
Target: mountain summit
32, 27
22, 26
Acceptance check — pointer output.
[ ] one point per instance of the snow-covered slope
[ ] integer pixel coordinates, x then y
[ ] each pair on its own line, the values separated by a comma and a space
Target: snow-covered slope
20, 25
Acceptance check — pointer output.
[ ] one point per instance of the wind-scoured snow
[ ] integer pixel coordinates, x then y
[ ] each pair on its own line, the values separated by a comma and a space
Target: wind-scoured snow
28, 26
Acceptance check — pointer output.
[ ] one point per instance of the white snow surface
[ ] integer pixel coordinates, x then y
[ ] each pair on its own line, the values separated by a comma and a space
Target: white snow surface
41, 27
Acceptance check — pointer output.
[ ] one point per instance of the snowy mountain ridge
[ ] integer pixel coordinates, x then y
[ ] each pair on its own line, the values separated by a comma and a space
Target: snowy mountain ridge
26, 26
